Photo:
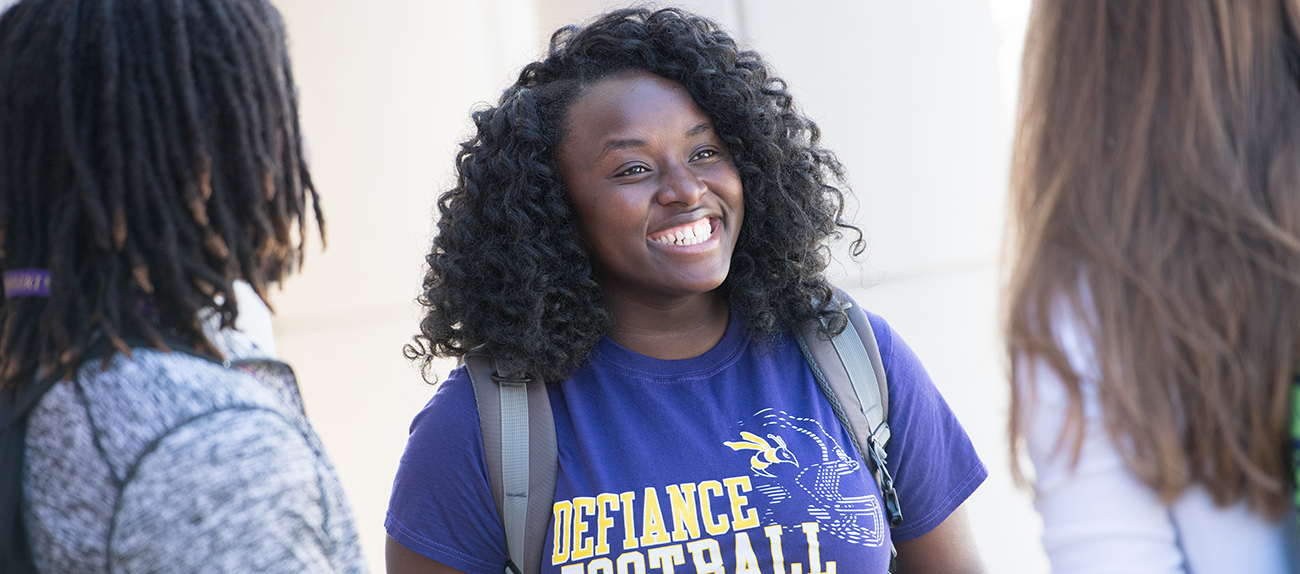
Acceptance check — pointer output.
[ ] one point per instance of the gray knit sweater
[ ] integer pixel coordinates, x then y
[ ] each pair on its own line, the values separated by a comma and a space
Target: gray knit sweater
170, 463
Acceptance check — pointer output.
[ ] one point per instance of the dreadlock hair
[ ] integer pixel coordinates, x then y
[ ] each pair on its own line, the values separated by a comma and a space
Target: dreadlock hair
508, 268
150, 155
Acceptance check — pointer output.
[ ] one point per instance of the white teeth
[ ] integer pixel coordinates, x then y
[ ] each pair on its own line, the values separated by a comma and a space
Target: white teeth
696, 233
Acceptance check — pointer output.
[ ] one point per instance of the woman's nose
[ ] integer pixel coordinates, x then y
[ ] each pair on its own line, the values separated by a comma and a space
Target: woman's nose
680, 185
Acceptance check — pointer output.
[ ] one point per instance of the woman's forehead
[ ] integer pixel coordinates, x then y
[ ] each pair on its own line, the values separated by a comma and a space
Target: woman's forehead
623, 109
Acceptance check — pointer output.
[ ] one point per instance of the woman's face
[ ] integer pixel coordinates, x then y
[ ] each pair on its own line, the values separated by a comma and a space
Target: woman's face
657, 197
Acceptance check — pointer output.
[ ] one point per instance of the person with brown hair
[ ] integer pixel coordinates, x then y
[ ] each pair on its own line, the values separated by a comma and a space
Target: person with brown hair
1153, 311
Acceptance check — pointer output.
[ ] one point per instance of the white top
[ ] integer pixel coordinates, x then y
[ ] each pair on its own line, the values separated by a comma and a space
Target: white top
253, 322
1099, 517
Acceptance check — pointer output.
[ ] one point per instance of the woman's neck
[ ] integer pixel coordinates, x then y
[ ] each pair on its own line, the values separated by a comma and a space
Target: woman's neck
678, 329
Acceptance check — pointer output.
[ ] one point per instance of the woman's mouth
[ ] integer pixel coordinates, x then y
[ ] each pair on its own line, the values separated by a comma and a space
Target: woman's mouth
689, 234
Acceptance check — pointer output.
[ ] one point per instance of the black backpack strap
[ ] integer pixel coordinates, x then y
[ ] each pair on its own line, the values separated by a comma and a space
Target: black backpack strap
522, 458
849, 370
15, 405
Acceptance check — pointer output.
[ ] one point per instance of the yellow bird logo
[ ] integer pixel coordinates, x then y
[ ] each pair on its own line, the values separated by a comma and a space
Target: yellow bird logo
767, 455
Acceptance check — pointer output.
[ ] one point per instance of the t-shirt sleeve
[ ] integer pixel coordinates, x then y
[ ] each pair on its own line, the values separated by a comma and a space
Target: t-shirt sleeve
234, 491
441, 506
933, 462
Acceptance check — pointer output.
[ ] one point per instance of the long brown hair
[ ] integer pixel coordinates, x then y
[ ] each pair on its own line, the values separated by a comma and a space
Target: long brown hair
1156, 192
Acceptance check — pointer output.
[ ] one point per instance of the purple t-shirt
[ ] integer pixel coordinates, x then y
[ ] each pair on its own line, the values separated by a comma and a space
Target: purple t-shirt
732, 461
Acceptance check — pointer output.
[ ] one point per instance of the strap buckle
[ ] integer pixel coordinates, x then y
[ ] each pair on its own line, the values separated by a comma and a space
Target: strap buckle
893, 510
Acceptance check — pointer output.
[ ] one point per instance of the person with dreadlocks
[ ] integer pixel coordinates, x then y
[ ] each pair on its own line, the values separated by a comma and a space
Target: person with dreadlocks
640, 222
152, 187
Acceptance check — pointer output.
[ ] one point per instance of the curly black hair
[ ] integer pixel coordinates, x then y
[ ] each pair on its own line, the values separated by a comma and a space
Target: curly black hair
149, 156
508, 268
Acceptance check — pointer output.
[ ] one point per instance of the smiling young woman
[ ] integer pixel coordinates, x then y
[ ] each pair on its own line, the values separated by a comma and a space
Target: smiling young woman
659, 206
641, 223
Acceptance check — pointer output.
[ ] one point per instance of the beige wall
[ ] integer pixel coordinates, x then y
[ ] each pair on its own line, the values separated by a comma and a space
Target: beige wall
914, 96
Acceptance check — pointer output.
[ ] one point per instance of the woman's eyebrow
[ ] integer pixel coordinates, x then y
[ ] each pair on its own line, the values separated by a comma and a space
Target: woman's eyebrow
699, 129
615, 145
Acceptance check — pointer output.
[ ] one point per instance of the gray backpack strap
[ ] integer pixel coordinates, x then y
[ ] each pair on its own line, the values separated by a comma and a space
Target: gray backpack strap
860, 355
522, 458
851, 374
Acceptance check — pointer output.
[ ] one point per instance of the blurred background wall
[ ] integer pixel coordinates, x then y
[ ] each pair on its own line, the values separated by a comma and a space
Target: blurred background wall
916, 97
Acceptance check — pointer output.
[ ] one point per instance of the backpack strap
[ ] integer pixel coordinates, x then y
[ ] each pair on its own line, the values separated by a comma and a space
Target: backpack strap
16, 405
522, 459
860, 352
851, 374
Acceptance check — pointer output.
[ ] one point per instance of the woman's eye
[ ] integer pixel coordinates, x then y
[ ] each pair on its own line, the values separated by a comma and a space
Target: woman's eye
634, 170
705, 154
